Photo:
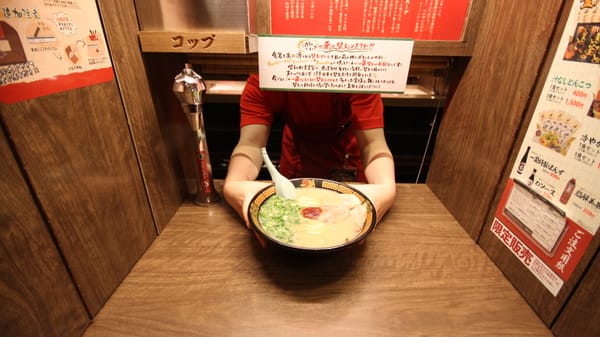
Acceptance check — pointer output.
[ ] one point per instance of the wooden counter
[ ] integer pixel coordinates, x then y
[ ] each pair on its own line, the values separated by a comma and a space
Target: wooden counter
418, 274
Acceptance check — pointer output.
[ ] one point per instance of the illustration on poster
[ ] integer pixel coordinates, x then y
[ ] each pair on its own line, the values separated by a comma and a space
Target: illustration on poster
556, 130
584, 44
50, 46
594, 110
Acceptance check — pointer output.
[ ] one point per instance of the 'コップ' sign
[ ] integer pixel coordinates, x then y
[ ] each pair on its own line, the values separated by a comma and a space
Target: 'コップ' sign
334, 64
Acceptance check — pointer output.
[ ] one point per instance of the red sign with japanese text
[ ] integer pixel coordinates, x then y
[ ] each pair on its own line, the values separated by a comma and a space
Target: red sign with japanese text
540, 234
414, 19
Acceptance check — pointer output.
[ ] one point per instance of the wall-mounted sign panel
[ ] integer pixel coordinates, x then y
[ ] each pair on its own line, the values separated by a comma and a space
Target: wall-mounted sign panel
50, 46
415, 19
334, 64
550, 209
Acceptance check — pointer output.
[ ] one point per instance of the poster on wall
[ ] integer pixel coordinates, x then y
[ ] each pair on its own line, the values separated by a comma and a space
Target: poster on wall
550, 208
49, 46
333, 64
415, 19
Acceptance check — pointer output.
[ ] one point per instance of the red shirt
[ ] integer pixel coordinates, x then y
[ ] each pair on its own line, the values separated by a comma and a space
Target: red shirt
319, 127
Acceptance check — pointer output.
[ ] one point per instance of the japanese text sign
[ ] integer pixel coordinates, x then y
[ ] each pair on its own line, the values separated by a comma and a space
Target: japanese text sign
551, 203
334, 64
48, 47
416, 19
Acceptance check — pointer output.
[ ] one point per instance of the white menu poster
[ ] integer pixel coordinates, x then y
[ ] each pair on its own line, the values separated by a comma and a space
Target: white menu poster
49, 46
550, 208
333, 64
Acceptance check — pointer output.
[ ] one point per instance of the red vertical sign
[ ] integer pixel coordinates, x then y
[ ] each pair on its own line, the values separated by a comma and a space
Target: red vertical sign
415, 19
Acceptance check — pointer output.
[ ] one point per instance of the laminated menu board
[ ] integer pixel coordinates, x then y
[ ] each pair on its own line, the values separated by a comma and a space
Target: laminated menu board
415, 19
308, 63
50, 46
550, 208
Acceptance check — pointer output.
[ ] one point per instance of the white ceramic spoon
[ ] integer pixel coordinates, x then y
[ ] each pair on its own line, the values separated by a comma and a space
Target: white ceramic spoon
283, 187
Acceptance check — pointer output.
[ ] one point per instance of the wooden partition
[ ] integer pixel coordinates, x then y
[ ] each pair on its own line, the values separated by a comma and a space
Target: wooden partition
580, 310
479, 139
581, 314
38, 296
480, 124
89, 187
100, 173
77, 153
158, 166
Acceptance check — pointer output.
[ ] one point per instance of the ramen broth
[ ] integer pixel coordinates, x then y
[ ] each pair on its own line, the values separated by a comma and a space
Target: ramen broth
316, 217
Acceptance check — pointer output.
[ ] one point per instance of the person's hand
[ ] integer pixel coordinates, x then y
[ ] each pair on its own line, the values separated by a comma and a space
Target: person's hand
239, 193
381, 195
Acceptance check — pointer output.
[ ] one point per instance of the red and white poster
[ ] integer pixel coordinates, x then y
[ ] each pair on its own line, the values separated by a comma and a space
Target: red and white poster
440, 20
49, 46
550, 209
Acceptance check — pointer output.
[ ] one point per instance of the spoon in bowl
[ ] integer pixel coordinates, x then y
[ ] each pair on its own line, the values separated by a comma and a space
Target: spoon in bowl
283, 187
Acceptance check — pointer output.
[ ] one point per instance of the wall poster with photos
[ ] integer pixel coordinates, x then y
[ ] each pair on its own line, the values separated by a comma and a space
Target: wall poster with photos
550, 208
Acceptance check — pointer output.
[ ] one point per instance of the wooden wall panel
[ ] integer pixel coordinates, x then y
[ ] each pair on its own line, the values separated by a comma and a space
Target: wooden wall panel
479, 126
77, 152
547, 306
38, 297
582, 313
158, 168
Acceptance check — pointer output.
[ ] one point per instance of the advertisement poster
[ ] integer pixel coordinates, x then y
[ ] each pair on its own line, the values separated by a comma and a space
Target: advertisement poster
49, 46
415, 19
550, 209
334, 64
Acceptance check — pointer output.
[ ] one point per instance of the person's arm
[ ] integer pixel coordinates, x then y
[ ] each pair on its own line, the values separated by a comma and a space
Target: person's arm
379, 169
244, 165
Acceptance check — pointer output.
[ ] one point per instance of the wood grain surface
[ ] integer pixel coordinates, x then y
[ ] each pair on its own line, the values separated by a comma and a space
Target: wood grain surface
581, 315
77, 152
479, 126
547, 306
38, 298
157, 165
417, 274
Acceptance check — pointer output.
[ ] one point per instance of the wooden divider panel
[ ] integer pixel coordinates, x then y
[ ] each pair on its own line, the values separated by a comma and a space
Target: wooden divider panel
38, 296
77, 152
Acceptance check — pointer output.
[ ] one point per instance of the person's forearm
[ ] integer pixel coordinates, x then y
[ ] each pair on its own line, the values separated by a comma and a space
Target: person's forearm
380, 169
244, 164
241, 168
380, 175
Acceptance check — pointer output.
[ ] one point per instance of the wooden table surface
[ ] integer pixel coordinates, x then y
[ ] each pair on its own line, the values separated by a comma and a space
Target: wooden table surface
418, 274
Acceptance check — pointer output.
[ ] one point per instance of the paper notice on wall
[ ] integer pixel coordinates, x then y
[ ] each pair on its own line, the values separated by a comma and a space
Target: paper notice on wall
551, 202
416, 19
334, 64
542, 221
48, 46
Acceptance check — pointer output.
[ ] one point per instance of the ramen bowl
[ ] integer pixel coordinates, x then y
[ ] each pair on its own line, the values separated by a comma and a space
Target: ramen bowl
325, 216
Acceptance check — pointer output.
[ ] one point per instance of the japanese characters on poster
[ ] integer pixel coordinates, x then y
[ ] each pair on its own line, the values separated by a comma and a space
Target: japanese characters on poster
334, 64
550, 209
415, 19
48, 46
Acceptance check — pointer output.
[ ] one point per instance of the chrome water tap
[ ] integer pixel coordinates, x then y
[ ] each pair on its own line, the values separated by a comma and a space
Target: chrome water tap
190, 89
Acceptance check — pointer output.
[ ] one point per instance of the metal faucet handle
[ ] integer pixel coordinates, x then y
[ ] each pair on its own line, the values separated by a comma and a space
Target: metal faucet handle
189, 87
